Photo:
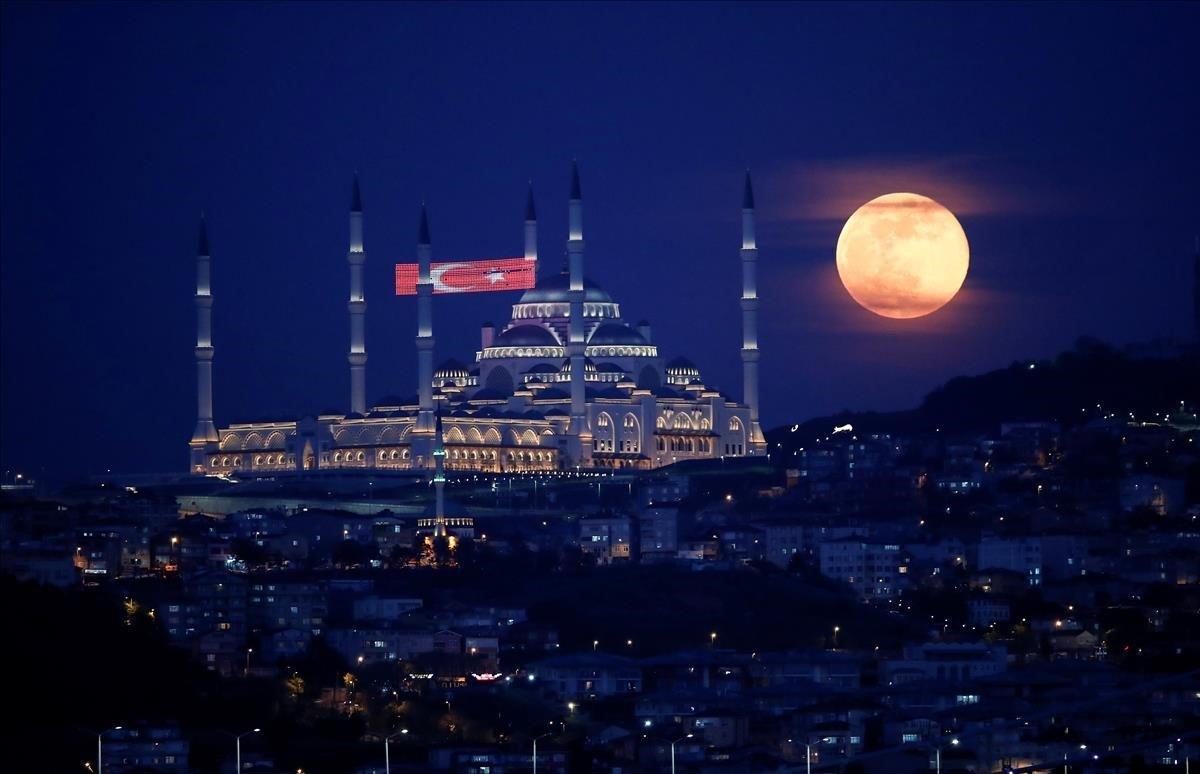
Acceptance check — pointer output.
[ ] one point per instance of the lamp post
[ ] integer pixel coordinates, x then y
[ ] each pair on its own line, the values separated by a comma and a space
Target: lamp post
807, 758
237, 738
938, 756
100, 748
387, 760
246, 672
535, 741
677, 741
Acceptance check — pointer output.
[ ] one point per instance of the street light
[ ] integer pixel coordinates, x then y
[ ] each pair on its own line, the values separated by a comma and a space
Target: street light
387, 761
100, 748
535, 741
595, 644
677, 741
712, 640
238, 745
246, 673
939, 754
836, 629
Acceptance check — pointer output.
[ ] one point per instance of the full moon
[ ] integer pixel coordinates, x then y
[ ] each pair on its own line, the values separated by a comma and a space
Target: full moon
902, 255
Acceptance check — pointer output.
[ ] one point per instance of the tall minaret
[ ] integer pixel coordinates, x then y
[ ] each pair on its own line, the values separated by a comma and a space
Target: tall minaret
575, 331
424, 429
530, 227
358, 307
754, 441
439, 480
206, 431
1196, 292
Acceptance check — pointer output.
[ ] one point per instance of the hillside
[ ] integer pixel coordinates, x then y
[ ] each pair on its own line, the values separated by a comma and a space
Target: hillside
1067, 389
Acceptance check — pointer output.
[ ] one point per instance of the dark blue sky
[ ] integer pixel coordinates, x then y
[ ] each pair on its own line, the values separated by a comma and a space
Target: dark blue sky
1063, 135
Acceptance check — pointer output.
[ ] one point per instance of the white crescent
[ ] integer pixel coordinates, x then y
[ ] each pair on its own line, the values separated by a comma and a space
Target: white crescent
435, 276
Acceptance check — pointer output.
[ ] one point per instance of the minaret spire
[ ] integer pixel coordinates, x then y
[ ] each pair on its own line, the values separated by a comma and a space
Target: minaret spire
755, 442
356, 257
530, 227
576, 334
424, 430
205, 432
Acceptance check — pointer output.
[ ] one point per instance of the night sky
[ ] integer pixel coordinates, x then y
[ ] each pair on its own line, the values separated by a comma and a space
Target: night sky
1063, 136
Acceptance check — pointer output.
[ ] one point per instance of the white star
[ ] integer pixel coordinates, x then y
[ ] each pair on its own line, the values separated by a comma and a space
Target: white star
495, 276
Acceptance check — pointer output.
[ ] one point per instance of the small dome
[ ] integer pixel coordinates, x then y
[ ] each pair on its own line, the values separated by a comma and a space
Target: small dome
557, 288
610, 368
588, 366
451, 369
616, 333
526, 336
543, 368
681, 366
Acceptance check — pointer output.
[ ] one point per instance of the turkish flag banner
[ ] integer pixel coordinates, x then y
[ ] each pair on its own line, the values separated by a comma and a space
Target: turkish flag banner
479, 276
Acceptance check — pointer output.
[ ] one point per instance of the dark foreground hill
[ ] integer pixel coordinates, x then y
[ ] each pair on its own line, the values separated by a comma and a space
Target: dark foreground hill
1090, 380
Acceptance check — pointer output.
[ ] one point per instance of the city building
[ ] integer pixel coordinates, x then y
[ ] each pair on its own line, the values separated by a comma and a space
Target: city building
873, 569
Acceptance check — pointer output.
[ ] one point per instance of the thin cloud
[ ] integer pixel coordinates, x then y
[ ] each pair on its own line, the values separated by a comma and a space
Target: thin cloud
819, 195
829, 310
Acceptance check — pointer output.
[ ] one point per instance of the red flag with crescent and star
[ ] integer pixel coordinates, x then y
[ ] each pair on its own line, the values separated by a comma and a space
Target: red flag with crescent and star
484, 275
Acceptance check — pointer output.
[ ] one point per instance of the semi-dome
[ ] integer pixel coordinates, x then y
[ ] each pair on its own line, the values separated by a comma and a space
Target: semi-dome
527, 335
615, 333
556, 289
609, 368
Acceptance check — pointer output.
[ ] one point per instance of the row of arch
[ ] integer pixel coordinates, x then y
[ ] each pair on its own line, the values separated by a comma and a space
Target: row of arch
232, 441
607, 438
259, 460
701, 445
681, 421
545, 311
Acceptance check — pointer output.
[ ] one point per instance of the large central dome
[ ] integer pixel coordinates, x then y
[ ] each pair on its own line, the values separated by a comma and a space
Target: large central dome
556, 290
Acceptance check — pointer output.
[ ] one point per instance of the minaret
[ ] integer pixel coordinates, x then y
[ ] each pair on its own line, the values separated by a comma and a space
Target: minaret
578, 427
755, 442
530, 227
206, 431
1196, 292
439, 480
358, 307
424, 430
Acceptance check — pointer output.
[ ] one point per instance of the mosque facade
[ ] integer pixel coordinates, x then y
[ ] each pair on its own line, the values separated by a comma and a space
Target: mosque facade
565, 384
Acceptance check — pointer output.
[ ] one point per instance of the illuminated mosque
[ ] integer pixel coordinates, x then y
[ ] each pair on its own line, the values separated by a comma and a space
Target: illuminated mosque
566, 384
